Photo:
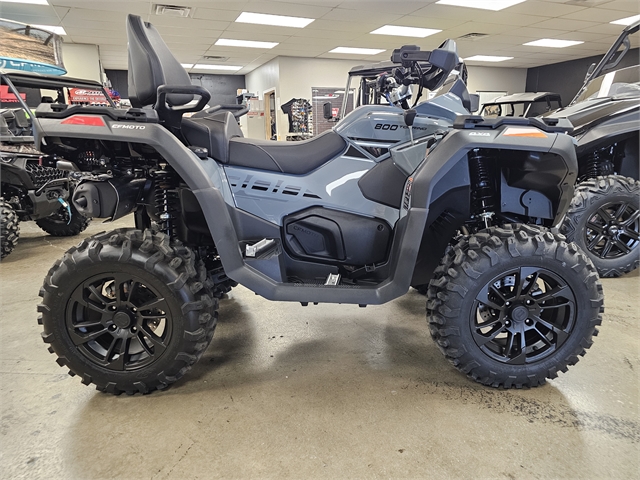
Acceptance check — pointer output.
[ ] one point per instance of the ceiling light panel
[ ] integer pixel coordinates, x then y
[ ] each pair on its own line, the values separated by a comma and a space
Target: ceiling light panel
553, 43
626, 21
227, 42
494, 5
357, 51
30, 2
487, 58
204, 66
277, 20
51, 28
405, 31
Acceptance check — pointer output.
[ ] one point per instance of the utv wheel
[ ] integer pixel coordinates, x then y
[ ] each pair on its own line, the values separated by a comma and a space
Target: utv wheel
515, 306
59, 225
127, 311
604, 220
9, 228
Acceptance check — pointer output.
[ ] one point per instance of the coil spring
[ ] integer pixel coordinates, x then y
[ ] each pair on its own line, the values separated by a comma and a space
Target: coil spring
482, 172
167, 201
599, 162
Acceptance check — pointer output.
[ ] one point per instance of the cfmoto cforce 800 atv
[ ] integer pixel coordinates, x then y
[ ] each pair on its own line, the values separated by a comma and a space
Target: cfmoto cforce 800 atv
604, 217
356, 215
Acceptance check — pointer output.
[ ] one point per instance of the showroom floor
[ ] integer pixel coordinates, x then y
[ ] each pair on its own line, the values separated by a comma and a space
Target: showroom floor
325, 391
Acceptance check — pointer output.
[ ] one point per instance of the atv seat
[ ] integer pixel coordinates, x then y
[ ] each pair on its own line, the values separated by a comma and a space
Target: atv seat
297, 158
153, 67
220, 134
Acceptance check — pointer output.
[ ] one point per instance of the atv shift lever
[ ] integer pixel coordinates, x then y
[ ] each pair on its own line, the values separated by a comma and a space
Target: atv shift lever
409, 117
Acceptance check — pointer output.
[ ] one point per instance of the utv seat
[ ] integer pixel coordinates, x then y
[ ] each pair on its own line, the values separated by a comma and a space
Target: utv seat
219, 132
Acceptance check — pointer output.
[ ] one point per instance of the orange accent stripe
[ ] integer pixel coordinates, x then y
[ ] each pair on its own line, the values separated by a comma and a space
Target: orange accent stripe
528, 134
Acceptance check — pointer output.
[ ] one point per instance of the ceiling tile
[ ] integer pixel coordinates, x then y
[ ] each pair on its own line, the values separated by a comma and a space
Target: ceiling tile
564, 24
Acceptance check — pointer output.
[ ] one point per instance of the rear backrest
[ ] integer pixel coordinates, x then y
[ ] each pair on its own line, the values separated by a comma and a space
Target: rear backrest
151, 65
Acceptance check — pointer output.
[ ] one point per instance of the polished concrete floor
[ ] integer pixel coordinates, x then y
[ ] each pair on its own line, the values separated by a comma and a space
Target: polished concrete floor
325, 391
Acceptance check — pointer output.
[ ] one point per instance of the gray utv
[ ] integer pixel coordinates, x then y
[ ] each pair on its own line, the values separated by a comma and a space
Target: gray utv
356, 215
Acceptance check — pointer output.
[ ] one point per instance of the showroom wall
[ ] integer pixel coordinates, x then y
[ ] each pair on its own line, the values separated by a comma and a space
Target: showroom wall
496, 79
566, 78
81, 61
267, 77
223, 88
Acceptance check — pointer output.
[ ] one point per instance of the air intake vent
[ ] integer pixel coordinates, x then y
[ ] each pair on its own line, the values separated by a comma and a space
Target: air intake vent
217, 58
173, 10
473, 36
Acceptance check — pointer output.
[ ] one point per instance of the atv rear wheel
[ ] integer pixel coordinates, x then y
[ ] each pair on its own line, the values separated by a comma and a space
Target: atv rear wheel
9, 228
604, 220
127, 311
514, 306
58, 224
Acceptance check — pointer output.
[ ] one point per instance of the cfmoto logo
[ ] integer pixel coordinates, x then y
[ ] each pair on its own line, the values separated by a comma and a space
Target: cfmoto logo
129, 127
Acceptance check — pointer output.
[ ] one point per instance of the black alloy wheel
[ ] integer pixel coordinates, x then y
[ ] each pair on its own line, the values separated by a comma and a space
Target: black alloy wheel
613, 230
129, 311
523, 316
119, 322
512, 306
604, 220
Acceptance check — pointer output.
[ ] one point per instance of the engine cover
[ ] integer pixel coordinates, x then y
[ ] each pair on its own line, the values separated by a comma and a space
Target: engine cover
336, 237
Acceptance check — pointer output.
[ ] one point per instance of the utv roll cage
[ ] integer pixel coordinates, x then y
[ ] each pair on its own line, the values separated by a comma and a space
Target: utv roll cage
611, 59
528, 101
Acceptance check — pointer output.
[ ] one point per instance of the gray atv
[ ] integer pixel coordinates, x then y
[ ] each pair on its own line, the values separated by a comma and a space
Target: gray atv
604, 217
356, 215
32, 186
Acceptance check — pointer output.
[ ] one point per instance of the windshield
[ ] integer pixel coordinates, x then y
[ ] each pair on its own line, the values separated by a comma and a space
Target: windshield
624, 83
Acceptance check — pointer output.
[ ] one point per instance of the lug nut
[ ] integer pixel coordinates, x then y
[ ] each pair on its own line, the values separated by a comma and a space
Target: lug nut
507, 323
528, 321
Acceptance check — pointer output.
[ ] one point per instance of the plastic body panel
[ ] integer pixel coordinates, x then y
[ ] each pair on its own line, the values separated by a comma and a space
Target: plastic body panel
208, 182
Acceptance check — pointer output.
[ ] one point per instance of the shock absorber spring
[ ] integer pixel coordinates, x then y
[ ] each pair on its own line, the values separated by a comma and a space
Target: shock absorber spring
167, 201
593, 160
600, 162
482, 167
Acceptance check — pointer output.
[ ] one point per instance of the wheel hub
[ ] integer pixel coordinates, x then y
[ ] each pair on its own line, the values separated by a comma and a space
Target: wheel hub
122, 320
519, 314
613, 230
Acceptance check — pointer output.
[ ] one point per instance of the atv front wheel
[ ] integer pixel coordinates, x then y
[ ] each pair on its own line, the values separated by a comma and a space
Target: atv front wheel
58, 224
127, 311
9, 228
514, 306
604, 220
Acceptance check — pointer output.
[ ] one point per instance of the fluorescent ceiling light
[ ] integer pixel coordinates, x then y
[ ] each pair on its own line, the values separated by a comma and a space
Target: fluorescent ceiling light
226, 42
277, 20
357, 51
626, 21
550, 42
405, 31
494, 5
487, 58
51, 28
32, 2
187, 65
204, 66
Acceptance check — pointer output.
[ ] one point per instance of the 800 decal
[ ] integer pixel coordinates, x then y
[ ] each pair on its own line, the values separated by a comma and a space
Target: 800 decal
386, 126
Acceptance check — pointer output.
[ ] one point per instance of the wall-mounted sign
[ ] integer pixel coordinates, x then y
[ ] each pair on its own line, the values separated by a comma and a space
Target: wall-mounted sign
23, 47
